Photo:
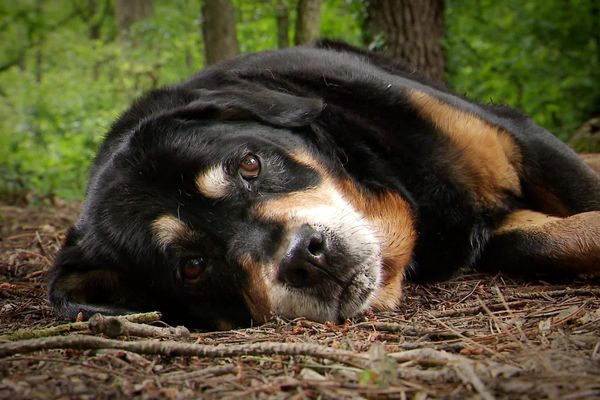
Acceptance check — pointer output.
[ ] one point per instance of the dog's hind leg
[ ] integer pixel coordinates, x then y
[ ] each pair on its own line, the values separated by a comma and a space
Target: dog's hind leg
532, 243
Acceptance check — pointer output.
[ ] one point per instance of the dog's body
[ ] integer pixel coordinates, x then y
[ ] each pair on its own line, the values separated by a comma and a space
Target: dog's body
308, 182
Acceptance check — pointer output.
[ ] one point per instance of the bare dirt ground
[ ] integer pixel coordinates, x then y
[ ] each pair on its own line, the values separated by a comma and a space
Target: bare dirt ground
476, 336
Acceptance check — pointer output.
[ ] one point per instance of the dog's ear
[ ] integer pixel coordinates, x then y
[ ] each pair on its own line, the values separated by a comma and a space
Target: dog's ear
244, 101
77, 284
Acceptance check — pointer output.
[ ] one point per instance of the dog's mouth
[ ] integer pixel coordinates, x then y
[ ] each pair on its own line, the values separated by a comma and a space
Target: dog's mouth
342, 288
330, 301
356, 297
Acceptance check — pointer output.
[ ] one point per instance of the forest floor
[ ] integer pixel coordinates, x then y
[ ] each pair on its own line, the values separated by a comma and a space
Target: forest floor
476, 336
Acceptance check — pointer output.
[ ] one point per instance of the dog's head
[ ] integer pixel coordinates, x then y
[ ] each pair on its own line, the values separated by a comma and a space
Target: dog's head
228, 209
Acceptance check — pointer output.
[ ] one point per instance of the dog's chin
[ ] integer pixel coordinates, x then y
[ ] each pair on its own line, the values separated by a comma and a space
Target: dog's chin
329, 301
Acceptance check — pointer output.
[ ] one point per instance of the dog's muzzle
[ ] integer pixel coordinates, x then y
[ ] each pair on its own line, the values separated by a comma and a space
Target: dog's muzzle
319, 277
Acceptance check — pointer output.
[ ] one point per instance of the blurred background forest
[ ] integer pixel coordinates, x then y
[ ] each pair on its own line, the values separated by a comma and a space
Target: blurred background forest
68, 68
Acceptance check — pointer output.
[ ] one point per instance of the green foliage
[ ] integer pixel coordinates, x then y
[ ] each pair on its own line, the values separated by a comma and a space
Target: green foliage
342, 20
542, 57
66, 74
256, 26
256, 22
54, 113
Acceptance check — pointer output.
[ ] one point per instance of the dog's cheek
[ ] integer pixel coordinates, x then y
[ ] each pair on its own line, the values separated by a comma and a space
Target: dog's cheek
255, 288
393, 220
389, 294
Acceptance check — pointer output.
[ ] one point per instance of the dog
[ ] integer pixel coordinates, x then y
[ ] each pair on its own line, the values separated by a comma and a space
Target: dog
310, 182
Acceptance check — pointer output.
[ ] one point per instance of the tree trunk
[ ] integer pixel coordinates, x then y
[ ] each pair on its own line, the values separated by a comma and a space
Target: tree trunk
128, 12
411, 30
282, 15
218, 30
308, 21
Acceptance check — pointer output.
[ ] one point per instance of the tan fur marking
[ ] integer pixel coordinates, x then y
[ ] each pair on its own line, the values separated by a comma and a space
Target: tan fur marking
392, 218
279, 209
213, 183
387, 214
255, 293
167, 229
524, 219
577, 241
83, 286
389, 295
570, 244
487, 158
77, 281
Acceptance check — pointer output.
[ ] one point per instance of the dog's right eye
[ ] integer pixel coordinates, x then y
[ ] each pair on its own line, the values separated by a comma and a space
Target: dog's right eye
249, 167
192, 269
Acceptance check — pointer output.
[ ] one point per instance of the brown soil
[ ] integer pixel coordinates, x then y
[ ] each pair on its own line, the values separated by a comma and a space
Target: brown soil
474, 336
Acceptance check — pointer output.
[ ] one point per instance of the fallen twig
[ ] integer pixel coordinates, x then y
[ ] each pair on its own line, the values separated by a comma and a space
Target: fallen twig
172, 348
474, 309
465, 338
434, 375
467, 374
116, 326
201, 373
82, 364
556, 293
23, 334
467, 370
427, 356
406, 329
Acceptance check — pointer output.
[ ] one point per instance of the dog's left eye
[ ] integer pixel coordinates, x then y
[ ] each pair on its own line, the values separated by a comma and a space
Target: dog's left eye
249, 167
192, 269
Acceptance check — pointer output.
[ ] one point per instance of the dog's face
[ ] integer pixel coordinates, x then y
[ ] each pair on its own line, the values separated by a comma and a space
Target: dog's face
221, 222
260, 205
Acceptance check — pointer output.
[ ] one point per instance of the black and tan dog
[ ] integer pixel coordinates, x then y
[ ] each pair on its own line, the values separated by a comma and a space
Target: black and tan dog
309, 182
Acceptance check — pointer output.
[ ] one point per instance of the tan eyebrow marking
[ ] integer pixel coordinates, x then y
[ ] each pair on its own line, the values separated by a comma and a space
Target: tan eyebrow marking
284, 207
167, 229
214, 182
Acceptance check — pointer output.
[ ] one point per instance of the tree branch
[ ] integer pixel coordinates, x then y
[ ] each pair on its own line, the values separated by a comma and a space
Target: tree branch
23, 334
114, 327
173, 348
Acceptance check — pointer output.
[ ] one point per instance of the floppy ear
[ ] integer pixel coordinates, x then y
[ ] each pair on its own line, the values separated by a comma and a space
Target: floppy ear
76, 284
243, 101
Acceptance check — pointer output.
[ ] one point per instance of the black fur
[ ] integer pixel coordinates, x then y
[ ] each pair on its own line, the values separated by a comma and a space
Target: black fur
350, 109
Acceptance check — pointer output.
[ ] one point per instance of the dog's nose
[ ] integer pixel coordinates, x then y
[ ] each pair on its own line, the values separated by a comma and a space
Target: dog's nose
305, 259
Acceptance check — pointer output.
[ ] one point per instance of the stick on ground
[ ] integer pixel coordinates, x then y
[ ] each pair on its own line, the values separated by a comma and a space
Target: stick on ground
172, 348
22, 334
114, 327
